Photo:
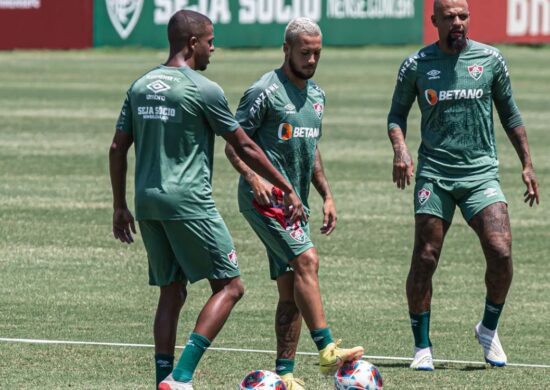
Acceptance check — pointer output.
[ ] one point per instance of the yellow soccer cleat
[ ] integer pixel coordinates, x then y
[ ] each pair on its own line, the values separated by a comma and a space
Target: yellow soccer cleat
293, 383
332, 357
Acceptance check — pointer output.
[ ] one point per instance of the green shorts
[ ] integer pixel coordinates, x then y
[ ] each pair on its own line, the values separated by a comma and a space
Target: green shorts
439, 197
282, 245
191, 250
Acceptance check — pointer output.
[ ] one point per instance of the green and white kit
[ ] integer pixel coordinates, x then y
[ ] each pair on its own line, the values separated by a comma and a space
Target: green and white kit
285, 121
455, 95
173, 115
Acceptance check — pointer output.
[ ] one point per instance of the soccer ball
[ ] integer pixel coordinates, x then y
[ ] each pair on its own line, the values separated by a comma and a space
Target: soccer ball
358, 375
262, 379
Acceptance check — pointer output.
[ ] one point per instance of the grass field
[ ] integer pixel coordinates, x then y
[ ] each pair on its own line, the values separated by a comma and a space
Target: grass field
63, 277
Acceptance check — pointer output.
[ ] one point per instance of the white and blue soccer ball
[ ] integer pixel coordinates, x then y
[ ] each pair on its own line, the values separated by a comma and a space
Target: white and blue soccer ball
358, 375
262, 380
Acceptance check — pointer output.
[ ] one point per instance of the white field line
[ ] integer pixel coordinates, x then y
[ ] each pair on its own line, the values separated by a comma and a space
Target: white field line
369, 357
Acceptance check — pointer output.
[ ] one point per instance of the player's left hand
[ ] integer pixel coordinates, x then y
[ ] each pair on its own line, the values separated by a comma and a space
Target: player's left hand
329, 217
530, 179
123, 225
294, 209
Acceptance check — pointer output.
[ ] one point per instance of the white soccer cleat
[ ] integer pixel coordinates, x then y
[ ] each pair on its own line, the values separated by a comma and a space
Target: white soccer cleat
169, 383
422, 360
492, 349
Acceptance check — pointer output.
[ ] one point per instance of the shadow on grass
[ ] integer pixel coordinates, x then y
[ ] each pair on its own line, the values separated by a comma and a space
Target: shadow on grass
438, 367
473, 368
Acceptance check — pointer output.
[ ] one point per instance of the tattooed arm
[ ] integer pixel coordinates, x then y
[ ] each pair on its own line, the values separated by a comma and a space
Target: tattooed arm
260, 187
320, 183
403, 166
518, 137
404, 95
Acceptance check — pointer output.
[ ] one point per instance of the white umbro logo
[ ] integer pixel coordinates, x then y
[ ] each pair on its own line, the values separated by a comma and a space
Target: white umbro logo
489, 192
290, 108
434, 74
158, 86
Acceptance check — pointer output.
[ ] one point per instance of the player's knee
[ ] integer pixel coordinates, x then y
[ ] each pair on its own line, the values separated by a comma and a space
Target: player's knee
498, 252
425, 259
306, 264
173, 295
235, 289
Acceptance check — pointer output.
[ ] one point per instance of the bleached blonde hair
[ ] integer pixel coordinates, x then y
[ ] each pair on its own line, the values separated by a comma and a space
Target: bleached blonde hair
299, 26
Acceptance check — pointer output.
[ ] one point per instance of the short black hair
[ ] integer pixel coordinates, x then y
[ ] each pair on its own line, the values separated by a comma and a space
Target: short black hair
185, 24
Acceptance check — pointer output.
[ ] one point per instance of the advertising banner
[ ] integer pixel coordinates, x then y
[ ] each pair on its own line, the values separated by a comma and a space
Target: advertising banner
261, 23
501, 21
41, 24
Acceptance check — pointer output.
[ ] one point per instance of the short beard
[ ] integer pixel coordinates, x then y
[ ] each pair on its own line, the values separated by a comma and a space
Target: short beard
296, 72
457, 44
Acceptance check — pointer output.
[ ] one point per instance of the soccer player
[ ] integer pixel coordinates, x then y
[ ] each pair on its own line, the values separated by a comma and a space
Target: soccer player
172, 114
282, 112
456, 81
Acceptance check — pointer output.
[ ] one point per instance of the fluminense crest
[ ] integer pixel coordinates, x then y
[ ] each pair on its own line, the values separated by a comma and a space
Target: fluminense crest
476, 71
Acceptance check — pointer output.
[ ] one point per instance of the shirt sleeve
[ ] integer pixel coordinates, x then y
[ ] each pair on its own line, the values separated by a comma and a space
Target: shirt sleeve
324, 108
503, 98
124, 122
216, 109
252, 109
404, 95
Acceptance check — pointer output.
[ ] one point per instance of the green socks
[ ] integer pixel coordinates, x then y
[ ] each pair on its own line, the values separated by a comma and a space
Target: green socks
321, 337
190, 357
420, 324
491, 314
163, 366
284, 366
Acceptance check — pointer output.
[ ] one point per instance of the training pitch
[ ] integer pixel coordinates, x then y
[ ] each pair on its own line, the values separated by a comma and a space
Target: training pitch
63, 276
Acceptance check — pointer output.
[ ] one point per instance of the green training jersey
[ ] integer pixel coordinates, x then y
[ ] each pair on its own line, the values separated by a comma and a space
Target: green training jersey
285, 121
455, 96
173, 115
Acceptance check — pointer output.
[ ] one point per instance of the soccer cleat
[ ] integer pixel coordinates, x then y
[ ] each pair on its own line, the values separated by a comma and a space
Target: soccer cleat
293, 383
169, 383
423, 360
492, 349
332, 357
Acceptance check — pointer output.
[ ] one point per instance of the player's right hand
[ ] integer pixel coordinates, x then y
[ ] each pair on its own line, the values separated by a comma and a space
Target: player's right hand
294, 209
123, 225
403, 167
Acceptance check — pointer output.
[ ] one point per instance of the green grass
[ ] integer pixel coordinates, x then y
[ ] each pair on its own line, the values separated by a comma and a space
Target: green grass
64, 277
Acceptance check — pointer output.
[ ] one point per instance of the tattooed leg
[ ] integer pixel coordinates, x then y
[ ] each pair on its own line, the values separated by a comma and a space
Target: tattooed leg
429, 235
288, 320
492, 226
